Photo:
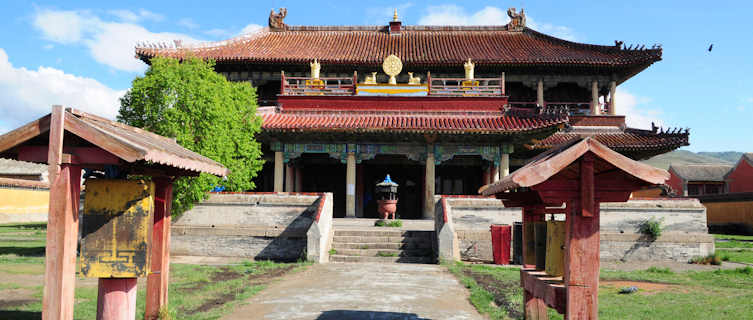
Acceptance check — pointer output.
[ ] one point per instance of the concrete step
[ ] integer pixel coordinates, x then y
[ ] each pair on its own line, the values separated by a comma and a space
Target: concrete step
382, 245
385, 252
379, 239
344, 258
381, 232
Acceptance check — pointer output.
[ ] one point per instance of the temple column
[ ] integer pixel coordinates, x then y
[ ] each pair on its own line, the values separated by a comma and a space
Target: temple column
594, 98
504, 165
359, 190
485, 176
350, 186
278, 171
289, 177
612, 94
540, 93
298, 179
429, 184
493, 173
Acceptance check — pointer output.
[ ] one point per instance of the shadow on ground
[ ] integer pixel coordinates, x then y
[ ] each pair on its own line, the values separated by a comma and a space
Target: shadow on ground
370, 315
20, 315
24, 252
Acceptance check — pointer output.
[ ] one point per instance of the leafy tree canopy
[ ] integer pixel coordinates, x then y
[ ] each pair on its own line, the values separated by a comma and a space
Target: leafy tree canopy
205, 113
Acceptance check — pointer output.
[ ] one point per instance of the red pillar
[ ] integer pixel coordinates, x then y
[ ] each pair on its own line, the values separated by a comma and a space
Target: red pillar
116, 299
157, 280
582, 249
62, 227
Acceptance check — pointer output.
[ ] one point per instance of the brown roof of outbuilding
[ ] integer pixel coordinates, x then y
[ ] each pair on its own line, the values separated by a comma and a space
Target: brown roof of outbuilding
128, 143
641, 143
711, 172
415, 45
551, 162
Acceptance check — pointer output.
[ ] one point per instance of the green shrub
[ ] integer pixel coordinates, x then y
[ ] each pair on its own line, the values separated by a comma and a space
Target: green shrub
713, 259
659, 270
651, 228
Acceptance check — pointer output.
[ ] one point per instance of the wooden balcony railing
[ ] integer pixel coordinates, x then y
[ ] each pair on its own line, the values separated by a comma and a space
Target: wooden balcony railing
460, 87
345, 86
572, 107
330, 86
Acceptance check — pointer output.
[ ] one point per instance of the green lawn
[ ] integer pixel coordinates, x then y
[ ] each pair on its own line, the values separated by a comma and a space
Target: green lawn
663, 294
196, 291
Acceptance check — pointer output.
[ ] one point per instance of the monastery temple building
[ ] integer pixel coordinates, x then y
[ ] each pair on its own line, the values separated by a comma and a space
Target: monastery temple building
442, 109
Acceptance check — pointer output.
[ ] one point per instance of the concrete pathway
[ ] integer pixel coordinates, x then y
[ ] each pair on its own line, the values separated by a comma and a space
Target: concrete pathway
362, 291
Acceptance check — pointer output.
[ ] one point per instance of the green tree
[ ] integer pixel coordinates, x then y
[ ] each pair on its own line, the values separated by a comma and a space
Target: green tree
205, 113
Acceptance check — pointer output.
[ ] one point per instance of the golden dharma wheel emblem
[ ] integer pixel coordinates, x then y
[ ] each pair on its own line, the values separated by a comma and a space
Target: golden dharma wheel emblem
392, 67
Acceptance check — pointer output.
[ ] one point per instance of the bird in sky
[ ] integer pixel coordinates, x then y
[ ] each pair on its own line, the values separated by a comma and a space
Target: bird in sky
711, 47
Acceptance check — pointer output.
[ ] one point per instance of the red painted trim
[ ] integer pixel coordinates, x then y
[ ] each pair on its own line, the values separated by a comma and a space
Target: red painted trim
444, 209
320, 208
80, 155
596, 121
318, 194
396, 103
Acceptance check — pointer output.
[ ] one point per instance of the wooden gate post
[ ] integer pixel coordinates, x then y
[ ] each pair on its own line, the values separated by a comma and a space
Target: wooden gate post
157, 280
116, 298
62, 227
582, 249
534, 308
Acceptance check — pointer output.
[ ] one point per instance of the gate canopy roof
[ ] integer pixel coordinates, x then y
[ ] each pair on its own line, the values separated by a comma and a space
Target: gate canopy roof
562, 162
121, 143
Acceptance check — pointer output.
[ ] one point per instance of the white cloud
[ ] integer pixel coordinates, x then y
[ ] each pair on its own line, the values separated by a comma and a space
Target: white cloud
451, 14
188, 23
142, 14
109, 43
636, 110
217, 32
251, 28
61, 26
28, 94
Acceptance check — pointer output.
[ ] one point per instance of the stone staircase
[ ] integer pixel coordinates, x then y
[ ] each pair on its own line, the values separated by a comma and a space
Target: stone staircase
382, 244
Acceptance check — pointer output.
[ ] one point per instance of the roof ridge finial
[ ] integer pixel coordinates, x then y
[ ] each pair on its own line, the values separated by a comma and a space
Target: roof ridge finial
394, 16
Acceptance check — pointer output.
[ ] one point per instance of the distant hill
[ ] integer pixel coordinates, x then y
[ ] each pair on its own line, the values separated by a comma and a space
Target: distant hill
731, 156
687, 157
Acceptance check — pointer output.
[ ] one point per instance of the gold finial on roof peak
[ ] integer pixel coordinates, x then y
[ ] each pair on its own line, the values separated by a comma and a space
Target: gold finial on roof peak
394, 16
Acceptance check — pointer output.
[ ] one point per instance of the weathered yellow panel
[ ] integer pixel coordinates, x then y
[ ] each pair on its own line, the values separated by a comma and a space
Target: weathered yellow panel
117, 228
555, 248
20, 201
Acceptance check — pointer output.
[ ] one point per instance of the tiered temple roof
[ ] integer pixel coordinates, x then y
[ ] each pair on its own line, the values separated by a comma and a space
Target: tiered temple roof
490, 47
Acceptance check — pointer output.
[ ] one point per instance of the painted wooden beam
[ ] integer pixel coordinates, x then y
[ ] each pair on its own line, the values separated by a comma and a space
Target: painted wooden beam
157, 280
80, 155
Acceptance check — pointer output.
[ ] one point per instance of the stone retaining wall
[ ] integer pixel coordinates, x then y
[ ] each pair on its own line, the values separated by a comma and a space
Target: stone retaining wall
684, 231
261, 226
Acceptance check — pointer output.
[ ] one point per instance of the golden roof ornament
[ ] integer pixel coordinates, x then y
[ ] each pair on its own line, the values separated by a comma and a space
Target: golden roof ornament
517, 20
392, 67
315, 68
394, 16
469, 66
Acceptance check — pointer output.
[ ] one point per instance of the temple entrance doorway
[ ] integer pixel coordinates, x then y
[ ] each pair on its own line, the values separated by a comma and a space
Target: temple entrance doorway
321, 173
460, 175
408, 174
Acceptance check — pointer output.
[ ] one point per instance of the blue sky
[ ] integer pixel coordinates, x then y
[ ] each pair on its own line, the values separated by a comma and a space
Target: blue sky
80, 53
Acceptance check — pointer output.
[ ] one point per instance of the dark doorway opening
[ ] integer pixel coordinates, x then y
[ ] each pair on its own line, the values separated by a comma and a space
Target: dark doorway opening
408, 174
321, 173
460, 175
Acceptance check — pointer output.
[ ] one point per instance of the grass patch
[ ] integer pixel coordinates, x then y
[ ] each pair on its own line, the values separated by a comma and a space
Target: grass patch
739, 255
196, 291
732, 237
662, 293
386, 254
332, 251
389, 223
